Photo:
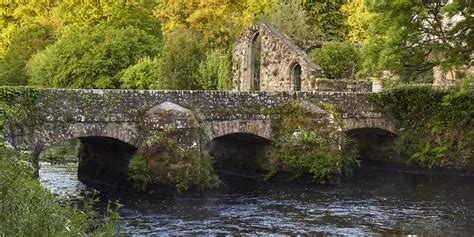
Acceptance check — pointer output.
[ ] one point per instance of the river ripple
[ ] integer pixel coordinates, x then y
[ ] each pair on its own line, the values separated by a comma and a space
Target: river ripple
371, 203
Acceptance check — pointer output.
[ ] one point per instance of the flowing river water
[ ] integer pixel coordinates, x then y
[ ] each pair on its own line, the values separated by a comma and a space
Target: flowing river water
372, 202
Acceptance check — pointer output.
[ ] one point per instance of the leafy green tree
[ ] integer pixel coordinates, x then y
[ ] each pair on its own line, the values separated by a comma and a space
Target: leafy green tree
216, 22
256, 8
215, 71
117, 14
180, 60
14, 14
290, 17
358, 20
91, 58
409, 38
24, 41
326, 19
339, 60
143, 75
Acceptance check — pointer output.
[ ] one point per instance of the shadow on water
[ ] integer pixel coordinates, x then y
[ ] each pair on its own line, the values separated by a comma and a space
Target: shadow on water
372, 202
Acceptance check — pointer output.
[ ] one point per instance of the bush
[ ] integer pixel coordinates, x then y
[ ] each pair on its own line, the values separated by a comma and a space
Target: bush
143, 75
180, 60
339, 60
304, 146
27, 209
138, 172
436, 126
215, 71
91, 58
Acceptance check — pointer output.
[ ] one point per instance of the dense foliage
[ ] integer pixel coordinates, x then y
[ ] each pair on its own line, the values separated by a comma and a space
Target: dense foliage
184, 167
26, 208
24, 42
326, 19
409, 38
92, 58
139, 173
290, 17
180, 60
214, 71
305, 146
338, 60
142, 75
437, 126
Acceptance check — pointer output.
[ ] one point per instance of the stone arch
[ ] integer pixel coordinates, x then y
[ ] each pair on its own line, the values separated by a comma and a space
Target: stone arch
373, 143
50, 134
260, 128
295, 75
240, 152
370, 123
104, 153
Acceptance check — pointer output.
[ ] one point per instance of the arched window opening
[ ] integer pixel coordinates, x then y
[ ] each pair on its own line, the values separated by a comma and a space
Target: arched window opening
255, 62
296, 76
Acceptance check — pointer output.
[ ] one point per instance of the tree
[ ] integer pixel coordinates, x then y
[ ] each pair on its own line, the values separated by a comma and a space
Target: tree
215, 71
14, 14
358, 19
326, 19
339, 60
180, 60
25, 41
255, 9
290, 17
91, 58
409, 38
216, 22
143, 75
117, 14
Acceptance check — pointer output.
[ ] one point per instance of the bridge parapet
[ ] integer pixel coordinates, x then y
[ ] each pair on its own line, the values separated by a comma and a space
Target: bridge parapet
96, 112
186, 118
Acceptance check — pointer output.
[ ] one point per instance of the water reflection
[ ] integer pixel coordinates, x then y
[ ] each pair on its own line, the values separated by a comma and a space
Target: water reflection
372, 202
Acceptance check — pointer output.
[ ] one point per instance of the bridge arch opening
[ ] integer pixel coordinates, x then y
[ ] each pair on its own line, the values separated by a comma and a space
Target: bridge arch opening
97, 160
240, 153
374, 144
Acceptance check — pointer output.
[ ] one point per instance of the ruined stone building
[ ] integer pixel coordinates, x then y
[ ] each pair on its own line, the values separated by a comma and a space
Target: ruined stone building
264, 59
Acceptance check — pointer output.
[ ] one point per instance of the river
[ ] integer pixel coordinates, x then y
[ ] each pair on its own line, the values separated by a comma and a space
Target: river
373, 202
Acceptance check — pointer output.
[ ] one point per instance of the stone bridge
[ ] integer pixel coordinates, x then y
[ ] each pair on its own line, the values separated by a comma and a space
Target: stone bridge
117, 122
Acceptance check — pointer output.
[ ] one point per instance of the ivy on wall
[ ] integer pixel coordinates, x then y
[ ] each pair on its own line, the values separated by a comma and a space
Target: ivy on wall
308, 142
437, 126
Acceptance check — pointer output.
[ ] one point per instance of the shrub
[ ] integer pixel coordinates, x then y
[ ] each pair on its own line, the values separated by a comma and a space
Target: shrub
180, 60
339, 60
215, 71
143, 75
436, 126
138, 172
304, 146
27, 209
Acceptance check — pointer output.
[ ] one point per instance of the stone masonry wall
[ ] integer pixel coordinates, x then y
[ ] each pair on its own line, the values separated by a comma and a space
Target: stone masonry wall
119, 113
278, 56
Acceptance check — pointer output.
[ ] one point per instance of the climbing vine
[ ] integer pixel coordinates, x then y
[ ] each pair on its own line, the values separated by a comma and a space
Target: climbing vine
183, 166
17, 107
437, 127
308, 141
